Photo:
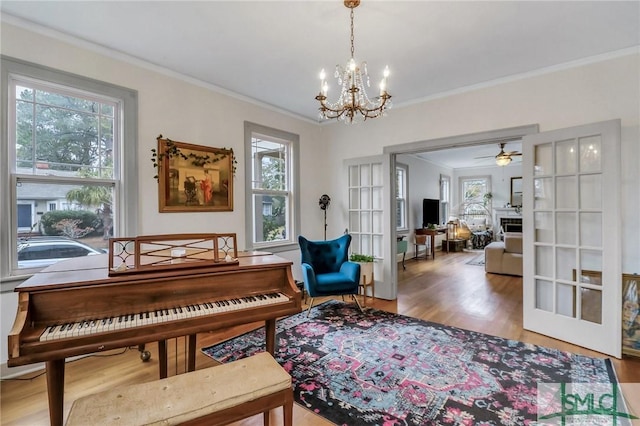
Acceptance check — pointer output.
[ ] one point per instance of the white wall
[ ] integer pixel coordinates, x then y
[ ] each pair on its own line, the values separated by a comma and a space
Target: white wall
605, 90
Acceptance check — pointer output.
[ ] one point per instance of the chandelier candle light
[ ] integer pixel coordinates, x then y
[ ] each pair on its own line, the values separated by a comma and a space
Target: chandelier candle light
353, 102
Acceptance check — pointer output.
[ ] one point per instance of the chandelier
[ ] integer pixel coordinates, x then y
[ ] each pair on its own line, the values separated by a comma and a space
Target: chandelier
353, 102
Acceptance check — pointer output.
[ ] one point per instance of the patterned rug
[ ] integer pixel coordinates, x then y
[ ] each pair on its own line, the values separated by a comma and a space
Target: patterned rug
478, 260
380, 368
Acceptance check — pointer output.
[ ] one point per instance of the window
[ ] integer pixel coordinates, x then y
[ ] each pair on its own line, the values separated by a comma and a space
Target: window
401, 196
272, 176
476, 195
445, 198
65, 164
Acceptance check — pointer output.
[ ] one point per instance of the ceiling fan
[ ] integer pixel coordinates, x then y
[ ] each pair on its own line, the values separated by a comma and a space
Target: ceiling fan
504, 157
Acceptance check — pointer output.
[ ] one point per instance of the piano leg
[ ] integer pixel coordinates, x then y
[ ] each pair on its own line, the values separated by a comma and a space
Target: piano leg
162, 358
270, 335
191, 356
55, 390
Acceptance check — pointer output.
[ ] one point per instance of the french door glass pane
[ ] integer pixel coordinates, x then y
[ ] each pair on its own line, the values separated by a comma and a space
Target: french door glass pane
377, 223
566, 300
365, 198
354, 176
365, 243
591, 229
566, 263
543, 227
590, 154
376, 193
354, 221
377, 246
376, 174
544, 290
543, 160
591, 304
590, 192
566, 228
356, 246
543, 193
544, 261
365, 221
591, 260
354, 198
365, 175
566, 197
566, 157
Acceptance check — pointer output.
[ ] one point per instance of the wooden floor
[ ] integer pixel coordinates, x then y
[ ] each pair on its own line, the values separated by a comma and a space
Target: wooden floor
445, 290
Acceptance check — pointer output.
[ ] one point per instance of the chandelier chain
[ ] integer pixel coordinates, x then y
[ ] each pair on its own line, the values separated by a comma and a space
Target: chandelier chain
352, 38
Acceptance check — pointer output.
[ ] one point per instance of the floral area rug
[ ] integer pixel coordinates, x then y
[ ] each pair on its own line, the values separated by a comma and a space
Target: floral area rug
379, 368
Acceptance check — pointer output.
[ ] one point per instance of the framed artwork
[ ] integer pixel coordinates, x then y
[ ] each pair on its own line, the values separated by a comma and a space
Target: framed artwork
194, 178
631, 314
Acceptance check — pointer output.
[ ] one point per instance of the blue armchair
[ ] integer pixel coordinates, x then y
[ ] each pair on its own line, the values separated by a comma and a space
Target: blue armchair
326, 269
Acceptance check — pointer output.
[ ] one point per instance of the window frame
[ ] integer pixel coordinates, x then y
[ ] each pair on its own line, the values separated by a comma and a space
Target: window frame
464, 203
293, 141
126, 166
445, 198
405, 189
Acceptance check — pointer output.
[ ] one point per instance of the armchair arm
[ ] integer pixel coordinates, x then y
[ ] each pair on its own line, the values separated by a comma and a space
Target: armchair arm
351, 270
309, 277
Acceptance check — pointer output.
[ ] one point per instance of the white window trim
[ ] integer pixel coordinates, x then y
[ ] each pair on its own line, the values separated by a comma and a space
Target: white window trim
127, 215
406, 196
274, 246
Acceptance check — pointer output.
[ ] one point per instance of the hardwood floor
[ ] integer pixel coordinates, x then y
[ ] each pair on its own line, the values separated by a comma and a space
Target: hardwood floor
445, 290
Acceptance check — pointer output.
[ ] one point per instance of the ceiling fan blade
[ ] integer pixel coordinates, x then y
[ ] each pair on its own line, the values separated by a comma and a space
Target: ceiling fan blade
513, 153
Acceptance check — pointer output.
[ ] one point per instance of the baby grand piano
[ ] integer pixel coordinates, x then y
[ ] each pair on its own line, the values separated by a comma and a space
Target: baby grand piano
78, 307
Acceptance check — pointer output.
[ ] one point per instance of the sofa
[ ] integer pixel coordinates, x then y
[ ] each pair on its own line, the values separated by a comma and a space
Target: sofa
504, 257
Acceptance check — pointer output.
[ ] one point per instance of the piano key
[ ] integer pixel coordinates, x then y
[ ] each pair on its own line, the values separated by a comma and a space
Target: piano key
139, 319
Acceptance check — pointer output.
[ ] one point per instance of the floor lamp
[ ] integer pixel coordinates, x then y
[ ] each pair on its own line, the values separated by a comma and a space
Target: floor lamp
324, 202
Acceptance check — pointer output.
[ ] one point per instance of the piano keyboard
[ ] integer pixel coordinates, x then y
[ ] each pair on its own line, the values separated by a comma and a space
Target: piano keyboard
95, 326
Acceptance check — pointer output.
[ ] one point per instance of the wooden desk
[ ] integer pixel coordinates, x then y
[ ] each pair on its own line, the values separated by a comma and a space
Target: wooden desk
432, 239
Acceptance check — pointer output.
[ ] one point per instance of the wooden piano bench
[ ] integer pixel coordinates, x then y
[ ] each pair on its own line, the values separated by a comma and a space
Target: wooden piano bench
213, 396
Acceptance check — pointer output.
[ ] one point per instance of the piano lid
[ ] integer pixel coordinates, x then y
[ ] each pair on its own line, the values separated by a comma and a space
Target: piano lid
88, 270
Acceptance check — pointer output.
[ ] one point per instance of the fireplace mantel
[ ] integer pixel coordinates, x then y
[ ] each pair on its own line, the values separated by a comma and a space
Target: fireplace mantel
503, 213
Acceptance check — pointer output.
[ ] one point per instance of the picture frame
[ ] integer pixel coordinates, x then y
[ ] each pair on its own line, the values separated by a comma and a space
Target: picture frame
631, 314
194, 178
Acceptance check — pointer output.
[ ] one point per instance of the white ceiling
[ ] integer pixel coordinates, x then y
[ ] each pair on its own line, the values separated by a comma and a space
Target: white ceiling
272, 51
473, 156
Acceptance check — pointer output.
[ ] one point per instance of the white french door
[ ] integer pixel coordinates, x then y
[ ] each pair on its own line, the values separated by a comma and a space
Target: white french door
572, 259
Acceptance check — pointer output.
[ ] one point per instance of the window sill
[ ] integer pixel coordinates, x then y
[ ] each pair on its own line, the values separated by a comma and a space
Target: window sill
277, 248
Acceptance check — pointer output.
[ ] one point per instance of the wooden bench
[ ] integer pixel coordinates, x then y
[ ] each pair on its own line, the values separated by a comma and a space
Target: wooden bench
213, 396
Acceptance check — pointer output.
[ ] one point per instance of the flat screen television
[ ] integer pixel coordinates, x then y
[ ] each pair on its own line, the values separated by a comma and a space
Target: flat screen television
430, 212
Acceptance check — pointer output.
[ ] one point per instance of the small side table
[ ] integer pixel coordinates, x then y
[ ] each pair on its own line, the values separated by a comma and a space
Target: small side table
454, 245
367, 281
